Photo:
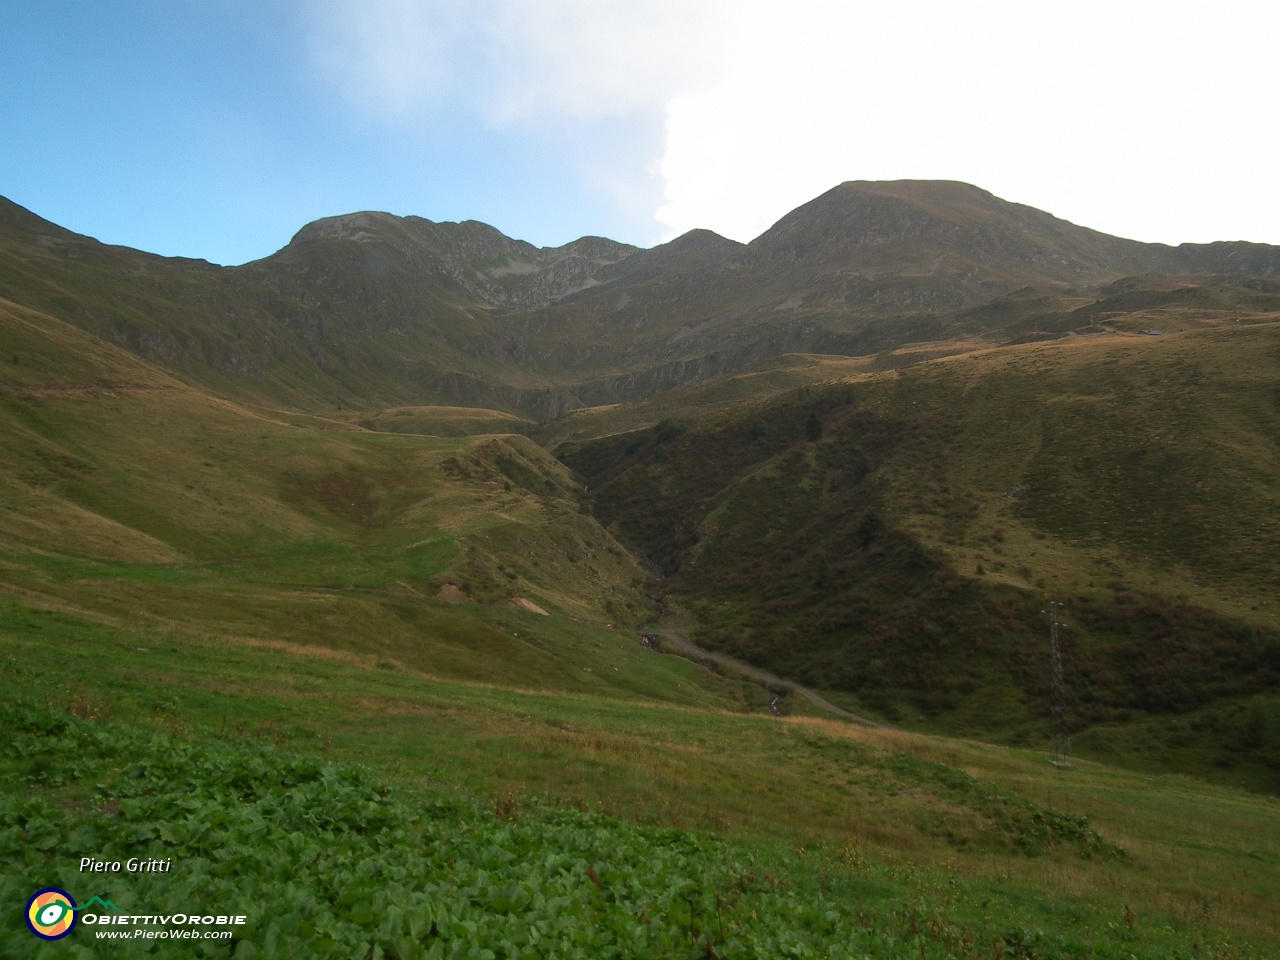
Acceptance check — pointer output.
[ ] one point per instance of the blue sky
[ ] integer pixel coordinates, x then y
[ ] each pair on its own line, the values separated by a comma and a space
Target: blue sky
208, 129
217, 128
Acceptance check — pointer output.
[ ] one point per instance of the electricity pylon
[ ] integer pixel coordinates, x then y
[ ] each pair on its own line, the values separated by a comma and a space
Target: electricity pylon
1061, 730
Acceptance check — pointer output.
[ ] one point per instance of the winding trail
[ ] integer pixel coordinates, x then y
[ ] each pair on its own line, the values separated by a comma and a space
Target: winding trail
668, 629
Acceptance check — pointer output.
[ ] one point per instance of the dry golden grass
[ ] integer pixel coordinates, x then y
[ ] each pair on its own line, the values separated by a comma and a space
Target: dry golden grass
441, 421
1197, 849
709, 398
162, 506
1065, 418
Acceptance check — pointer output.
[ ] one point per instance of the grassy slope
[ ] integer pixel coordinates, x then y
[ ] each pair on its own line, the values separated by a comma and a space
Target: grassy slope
861, 269
130, 497
173, 559
725, 395
441, 421
235, 571
1152, 457
892, 812
1163, 303
329, 325
852, 562
370, 311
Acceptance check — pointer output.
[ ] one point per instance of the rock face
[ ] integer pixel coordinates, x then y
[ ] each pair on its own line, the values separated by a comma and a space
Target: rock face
451, 594
371, 309
470, 257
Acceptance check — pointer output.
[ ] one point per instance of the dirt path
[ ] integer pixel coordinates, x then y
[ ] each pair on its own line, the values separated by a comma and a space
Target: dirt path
669, 630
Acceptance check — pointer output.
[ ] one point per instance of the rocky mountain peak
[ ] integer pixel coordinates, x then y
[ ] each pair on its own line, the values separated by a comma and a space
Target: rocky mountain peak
365, 226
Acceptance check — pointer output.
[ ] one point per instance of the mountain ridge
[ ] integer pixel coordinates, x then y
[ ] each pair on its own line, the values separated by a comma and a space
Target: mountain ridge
478, 258
373, 310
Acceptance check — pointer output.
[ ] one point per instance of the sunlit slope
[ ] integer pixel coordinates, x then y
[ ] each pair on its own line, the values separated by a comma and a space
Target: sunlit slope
1152, 459
973, 840
895, 537
753, 386
441, 421
130, 496
1152, 304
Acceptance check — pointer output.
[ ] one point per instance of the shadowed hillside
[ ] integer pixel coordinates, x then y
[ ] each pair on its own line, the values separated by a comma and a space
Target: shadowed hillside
365, 311
862, 269
895, 537
372, 311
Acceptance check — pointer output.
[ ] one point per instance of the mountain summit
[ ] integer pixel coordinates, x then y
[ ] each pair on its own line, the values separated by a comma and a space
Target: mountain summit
922, 226
470, 257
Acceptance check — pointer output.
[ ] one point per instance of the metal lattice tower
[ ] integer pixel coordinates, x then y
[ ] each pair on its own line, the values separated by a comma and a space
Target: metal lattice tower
1061, 730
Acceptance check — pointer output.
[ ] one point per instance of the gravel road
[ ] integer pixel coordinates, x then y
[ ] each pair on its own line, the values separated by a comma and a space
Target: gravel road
669, 630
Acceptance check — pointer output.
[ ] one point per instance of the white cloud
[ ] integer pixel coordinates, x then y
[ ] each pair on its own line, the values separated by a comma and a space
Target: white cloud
1146, 120
590, 79
387, 56
586, 58
513, 61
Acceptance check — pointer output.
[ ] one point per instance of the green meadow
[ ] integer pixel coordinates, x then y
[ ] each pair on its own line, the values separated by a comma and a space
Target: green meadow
433, 637
892, 538
991, 845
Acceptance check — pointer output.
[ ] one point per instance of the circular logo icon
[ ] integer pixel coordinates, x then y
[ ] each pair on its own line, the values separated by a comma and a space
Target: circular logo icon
51, 913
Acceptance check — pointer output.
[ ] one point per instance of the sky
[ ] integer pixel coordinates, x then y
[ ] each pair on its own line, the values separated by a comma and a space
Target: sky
217, 128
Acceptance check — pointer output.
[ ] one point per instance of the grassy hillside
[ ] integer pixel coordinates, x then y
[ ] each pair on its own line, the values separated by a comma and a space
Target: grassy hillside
330, 322
250, 529
369, 311
895, 538
753, 386
1150, 304
131, 498
441, 421
861, 269
919, 844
